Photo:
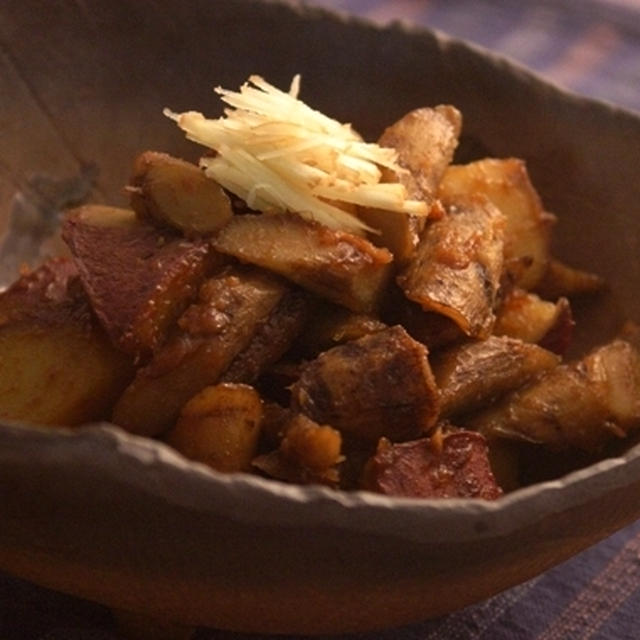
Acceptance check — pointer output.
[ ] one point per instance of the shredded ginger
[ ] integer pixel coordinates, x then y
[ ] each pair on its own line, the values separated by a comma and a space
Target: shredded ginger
276, 153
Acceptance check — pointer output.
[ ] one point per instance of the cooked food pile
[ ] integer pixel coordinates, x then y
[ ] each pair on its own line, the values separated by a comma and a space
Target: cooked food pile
318, 309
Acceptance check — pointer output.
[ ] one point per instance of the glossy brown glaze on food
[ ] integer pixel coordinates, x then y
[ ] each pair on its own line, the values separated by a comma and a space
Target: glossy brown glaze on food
457, 266
220, 426
137, 278
308, 453
271, 339
505, 182
365, 334
57, 365
452, 465
337, 266
474, 374
329, 325
211, 333
378, 385
169, 192
582, 404
526, 316
425, 140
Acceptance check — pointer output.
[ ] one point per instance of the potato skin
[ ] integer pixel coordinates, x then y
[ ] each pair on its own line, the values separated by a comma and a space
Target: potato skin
232, 306
453, 465
220, 426
138, 279
57, 366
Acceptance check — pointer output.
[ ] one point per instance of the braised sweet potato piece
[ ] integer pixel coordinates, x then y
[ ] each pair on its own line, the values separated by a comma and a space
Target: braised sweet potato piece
231, 307
308, 453
338, 266
582, 404
167, 191
219, 426
378, 385
476, 373
526, 316
138, 279
506, 183
425, 140
57, 365
457, 266
451, 465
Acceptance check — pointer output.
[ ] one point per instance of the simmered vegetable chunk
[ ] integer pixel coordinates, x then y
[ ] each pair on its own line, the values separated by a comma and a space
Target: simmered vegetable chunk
473, 374
138, 279
425, 140
168, 191
453, 465
505, 182
378, 385
57, 365
212, 332
582, 404
457, 266
220, 427
340, 267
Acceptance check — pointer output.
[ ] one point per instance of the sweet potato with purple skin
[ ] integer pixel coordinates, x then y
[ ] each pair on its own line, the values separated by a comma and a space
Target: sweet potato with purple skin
57, 365
232, 307
138, 279
378, 385
453, 465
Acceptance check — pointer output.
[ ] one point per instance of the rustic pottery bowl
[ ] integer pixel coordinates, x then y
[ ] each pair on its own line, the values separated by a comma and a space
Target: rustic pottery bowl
125, 521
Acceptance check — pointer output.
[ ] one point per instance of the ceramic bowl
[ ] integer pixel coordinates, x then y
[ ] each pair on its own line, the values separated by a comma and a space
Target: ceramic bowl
125, 521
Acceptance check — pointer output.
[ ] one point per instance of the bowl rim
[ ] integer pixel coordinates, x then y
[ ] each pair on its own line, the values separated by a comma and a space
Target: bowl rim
153, 468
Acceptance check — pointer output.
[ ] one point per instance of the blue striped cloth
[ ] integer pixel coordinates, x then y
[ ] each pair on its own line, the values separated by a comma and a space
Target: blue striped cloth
595, 596
588, 46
